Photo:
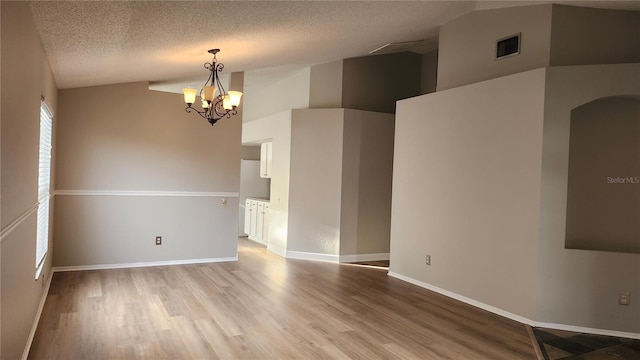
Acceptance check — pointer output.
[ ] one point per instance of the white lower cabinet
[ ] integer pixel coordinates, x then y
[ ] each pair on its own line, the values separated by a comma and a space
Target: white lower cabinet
256, 220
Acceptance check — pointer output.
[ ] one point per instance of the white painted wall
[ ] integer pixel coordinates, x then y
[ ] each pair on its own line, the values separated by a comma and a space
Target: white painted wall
277, 129
580, 287
25, 77
466, 190
271, 91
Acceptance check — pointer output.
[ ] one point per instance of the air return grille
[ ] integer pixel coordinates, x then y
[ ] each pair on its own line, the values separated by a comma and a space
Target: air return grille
508, 46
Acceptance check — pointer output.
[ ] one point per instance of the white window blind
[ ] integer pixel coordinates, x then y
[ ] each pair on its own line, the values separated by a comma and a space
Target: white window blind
44, 181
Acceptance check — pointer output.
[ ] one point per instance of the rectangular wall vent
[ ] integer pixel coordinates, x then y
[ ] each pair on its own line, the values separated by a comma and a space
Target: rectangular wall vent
508, 46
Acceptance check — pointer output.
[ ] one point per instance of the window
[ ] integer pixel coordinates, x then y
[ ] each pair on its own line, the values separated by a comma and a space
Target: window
44, 181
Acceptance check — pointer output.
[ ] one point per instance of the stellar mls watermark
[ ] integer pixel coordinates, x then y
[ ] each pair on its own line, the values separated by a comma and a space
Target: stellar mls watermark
623, 180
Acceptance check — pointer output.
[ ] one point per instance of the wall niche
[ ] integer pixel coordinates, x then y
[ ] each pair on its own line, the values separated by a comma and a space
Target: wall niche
603, 195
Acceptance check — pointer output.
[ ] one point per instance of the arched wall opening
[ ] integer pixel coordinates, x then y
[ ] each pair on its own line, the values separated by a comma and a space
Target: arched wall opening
603, 193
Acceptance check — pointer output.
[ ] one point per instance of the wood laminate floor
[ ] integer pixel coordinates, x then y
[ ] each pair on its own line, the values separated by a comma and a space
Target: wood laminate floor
263, 307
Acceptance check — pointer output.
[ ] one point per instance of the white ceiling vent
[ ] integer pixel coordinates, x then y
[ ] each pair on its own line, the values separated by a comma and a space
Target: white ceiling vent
395, 47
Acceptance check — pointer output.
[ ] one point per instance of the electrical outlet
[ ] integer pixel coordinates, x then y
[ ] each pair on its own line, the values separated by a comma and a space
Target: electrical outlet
224, 201
428, 259
158, 240
623, 298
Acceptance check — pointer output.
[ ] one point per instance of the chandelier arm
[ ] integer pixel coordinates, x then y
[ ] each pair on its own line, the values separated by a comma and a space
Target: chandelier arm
202, 114
217, 67
210, 67
225, 113
219, 110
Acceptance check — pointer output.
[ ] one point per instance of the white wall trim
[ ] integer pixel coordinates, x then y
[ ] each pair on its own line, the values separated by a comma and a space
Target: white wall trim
34, 326
142, 264
144, 193
15, 223
364, 257
513, 316
311, 256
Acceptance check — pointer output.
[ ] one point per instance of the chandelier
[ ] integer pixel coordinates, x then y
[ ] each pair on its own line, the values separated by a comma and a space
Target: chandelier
214, 107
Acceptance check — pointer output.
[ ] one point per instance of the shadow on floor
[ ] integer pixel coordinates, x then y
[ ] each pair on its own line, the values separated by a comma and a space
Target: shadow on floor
567, 345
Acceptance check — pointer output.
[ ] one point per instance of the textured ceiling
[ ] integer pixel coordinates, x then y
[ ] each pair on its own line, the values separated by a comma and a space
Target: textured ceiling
98, 42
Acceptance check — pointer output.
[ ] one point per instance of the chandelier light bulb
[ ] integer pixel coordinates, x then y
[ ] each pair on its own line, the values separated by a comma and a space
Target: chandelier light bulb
189, 95
209, 92
234, 98
226, 103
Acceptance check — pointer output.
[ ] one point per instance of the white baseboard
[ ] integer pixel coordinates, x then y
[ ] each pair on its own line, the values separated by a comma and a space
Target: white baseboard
143, 264
277, 249
364, 257
464, 299
259, 241
43, 299
513, 316
312, 256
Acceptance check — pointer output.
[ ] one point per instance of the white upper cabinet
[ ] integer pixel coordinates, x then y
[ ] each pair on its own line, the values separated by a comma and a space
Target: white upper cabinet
265, 159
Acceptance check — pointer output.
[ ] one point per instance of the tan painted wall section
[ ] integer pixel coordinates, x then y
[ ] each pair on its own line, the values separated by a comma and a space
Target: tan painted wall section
466, 190
125, 137
26, 77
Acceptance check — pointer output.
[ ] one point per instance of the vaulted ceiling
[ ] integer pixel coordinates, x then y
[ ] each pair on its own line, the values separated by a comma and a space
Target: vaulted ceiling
102, 42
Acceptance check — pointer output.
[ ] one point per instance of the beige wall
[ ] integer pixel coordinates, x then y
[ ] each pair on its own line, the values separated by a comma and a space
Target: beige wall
467, 45
582, 36
375, 83
367, 166
251, 153
25, 77
127, 138
603, 191
326, 85
551, 35
268, 92
277, 129
98, 230
429, 81
312, 186
372, 83
466, 190
580, 287
315, 182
